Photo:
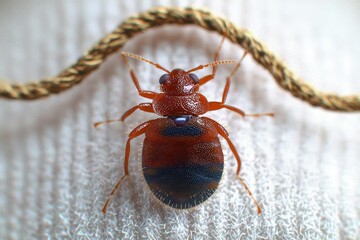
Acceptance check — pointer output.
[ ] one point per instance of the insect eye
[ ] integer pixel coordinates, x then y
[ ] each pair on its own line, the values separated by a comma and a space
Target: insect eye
194, 78
163, 78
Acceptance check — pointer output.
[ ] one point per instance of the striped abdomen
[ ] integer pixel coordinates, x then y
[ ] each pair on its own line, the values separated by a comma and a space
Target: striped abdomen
182, 165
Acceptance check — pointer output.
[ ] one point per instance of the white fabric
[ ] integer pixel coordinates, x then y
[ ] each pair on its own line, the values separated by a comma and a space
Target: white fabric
56, 170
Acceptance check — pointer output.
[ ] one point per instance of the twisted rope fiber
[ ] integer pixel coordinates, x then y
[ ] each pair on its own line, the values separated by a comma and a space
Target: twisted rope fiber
112, 42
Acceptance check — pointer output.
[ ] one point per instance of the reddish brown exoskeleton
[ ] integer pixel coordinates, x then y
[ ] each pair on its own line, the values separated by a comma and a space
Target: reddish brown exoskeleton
182, 155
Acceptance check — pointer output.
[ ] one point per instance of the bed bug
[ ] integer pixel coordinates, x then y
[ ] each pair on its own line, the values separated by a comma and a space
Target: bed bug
182, 158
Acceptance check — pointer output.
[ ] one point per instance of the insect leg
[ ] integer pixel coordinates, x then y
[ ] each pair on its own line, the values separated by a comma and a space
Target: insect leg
213, 106
228, 79
143, 93
250, 193
133, 134
146, 107
222, 131
211, 76
219, 105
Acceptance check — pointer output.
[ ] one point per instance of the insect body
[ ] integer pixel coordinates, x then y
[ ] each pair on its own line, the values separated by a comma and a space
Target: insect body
182, 157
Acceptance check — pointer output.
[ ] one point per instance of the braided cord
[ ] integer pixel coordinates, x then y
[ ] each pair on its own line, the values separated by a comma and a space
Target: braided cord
112, 42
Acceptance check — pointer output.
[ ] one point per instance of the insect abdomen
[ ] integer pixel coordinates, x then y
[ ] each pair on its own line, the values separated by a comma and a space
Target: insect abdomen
182, 165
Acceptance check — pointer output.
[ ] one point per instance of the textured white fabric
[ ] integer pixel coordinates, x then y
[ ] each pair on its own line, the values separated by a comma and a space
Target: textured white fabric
303, 166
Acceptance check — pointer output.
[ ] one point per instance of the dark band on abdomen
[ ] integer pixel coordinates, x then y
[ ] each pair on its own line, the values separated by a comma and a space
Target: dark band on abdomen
187, 130
186, 186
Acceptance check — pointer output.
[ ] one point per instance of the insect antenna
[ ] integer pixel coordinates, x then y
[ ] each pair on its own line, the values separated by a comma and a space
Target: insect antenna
215, 63
132, 55
238, 65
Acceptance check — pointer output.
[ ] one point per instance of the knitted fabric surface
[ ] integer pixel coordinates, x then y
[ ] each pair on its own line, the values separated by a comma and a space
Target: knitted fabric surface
302, 166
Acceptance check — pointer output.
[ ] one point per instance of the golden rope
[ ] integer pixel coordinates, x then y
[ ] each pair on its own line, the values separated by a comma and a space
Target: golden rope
112, 42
